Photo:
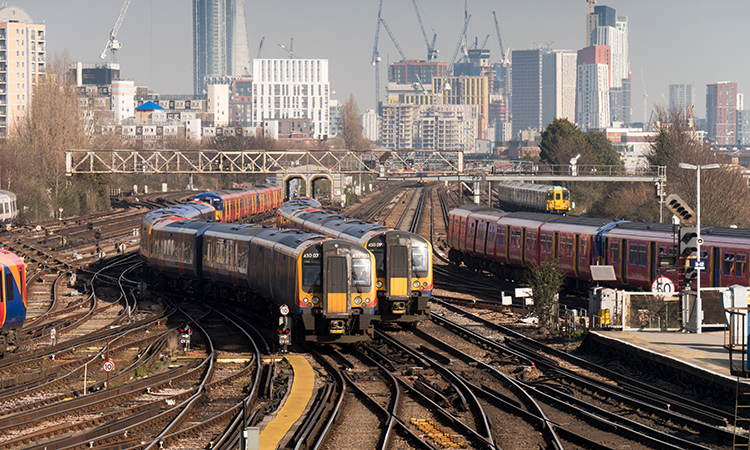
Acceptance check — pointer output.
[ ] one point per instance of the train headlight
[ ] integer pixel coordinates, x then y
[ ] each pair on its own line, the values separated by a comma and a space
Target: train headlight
424, 284
415, 284
367, 301
379, 284
358, 300
306, 300
315, 300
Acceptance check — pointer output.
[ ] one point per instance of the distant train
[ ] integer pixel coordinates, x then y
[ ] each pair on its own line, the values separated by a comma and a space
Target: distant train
403, 260
234, 205
535, 197
509, 244
12, 300
8, 207
327, 285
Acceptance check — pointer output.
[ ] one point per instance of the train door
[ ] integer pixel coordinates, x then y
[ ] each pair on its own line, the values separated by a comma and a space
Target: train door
577, 254
523, 246
715, 267
398, 263
653, 260
555, 241
335, 286
624, 261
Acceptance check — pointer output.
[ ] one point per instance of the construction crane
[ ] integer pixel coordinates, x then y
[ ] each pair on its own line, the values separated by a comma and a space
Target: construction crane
393, 38
376, 60
112, 43
461, 42
503, 56
260, 47
431, 52
289, 49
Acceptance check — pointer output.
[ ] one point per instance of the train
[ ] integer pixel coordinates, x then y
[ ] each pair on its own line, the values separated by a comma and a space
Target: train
13, 305
510, 244
535, 197
403, 260
8, 207
235, 205
326, 285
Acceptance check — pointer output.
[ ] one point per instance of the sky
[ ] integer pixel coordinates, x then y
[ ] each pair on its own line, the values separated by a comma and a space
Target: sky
671, 41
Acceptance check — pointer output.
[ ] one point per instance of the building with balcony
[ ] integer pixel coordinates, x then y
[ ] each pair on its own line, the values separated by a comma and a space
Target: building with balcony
23, 60
292, 89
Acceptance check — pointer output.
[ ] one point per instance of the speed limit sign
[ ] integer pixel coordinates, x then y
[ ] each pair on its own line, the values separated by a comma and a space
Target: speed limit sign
108, 366
284, 310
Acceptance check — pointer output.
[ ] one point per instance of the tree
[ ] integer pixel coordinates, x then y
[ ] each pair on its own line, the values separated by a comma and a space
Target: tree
725, 197
351, 133
561, 140
546, 280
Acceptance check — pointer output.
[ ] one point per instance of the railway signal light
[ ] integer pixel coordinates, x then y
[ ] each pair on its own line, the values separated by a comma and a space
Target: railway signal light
285, 331
680, 209
688, 242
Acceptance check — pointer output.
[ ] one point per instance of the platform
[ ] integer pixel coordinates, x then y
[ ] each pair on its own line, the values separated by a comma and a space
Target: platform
295, 403
700, 356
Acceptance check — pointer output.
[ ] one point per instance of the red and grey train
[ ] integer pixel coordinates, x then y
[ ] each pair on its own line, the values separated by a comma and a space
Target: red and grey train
403, 260
509, 244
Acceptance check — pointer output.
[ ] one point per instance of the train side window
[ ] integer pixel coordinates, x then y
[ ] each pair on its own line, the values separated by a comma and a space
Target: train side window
728, 263
584, 248
633, 254
741, 267
614, 256
642, 255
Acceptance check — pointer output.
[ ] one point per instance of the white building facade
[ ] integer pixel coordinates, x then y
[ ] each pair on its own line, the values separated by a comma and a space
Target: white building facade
559, 74
371, 125
592, 104
123, 99
292, 88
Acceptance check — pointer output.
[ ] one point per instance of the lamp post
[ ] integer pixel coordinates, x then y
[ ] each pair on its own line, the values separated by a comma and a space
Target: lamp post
699, 241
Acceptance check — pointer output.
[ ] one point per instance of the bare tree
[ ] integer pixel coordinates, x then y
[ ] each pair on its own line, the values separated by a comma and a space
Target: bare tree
725, 197
352, 128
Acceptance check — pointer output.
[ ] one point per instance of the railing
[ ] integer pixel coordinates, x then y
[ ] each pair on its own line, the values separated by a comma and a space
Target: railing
735, 340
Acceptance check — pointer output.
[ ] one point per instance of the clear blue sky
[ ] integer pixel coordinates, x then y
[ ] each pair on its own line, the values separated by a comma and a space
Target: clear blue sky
671, 41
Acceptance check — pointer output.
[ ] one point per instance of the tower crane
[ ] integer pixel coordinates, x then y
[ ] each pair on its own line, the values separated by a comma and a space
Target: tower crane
431, 52
376, 60
461, 42
289, 49
503, 56
260, 47
393, 38
112, 43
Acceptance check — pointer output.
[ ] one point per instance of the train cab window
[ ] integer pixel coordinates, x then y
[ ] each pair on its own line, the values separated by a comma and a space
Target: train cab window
741, 265
614, 253
312, 270
566, 195
728, 263
361, 272
420, 261
550, 195
379, 255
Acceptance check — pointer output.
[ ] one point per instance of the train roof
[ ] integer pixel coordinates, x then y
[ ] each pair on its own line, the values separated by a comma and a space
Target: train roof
647, 226
8, 194
726, 232
529, 186
535, 216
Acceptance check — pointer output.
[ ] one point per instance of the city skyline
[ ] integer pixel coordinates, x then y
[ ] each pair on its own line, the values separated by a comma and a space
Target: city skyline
672, 42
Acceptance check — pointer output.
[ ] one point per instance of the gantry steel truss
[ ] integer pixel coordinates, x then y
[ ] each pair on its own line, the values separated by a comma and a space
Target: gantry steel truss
255, 161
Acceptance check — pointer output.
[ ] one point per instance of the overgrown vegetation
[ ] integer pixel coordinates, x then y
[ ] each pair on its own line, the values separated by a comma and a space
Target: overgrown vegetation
546, 280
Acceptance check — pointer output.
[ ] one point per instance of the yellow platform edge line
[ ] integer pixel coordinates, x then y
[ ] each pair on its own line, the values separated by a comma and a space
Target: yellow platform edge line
298, 398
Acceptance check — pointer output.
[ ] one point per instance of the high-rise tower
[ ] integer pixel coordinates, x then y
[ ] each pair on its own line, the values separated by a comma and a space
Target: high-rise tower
23, 58
721, 112
220, 45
